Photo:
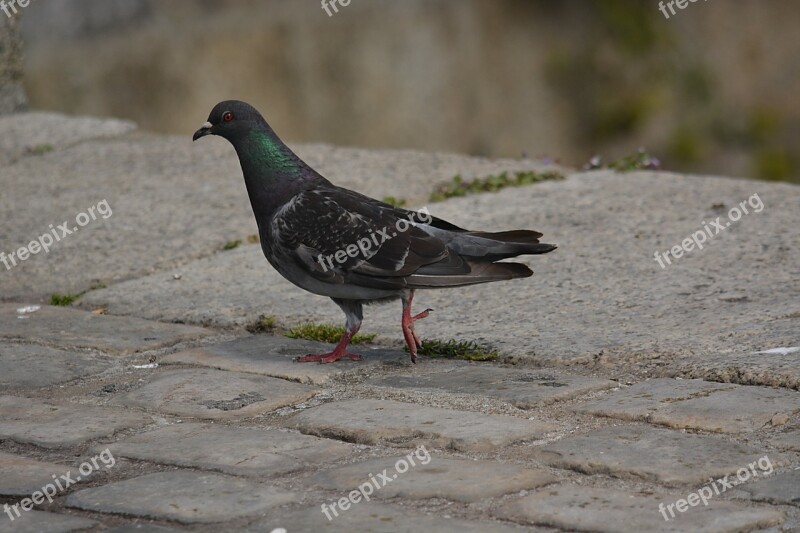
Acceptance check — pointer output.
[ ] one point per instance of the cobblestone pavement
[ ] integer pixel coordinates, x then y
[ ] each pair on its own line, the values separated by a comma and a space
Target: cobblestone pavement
130, 420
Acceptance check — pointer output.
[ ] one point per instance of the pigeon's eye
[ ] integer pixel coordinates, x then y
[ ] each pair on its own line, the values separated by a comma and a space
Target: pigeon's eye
227, 116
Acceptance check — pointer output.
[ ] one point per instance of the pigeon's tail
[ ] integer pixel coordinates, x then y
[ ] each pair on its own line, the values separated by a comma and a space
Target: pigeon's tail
476, 273
474, 258
486, 246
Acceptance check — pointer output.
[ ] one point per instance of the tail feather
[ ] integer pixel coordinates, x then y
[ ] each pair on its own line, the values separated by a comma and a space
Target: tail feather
479, 273
501, 245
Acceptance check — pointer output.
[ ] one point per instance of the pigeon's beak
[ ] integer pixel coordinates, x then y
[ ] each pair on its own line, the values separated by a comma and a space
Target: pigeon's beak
204, 130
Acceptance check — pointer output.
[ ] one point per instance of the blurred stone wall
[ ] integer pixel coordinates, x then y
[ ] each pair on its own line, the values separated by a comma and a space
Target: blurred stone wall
12, 95
711, 90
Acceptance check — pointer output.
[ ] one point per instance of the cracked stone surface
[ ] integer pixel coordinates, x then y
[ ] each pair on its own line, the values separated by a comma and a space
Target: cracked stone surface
697, 404
573, 507
21, 476
521, 388
373, 517
241, 451
213, 394
274, 356
74, 328
456, 480
27, 366
186, 497
669, 457
373, 421
53, 425
44, 522
783, 488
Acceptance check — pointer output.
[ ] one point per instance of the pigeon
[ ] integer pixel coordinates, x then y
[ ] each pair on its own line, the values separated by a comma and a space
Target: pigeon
354, 249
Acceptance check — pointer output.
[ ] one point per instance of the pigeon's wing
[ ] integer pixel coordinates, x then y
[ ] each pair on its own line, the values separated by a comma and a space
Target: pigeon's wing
339, 236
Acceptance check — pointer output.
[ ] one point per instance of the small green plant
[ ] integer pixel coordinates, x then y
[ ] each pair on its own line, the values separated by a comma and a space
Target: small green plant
253, 239
453, 349
264, 324
397, 202
230, 245
41, 149
459, 187
641, 160
63, 300
325, 333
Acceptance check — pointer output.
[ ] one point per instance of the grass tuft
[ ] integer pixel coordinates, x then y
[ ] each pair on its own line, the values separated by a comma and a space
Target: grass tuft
264, 324
325, 333
453, 349
397, 202
494, 183
64, 300
230, 245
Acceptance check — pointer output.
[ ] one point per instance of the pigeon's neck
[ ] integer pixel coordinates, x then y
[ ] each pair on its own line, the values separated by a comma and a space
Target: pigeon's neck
272, 172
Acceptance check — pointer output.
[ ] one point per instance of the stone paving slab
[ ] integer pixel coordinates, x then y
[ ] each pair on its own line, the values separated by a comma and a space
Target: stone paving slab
274, 356
214, 394
374, 517
74, 328
56, 424
789, 440
578, 508
232, 450
44, 522
760, 368
24, 132
183, 496
783, 488
386, 421
21, 476
452, 479
29, 367
755, 408
524, 389
696, 404
612, 304
669, 457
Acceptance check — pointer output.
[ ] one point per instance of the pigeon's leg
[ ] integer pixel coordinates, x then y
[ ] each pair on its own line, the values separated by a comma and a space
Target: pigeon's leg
412, 339
354, 312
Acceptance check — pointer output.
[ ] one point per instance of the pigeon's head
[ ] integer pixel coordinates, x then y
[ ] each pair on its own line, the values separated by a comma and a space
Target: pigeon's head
230, 119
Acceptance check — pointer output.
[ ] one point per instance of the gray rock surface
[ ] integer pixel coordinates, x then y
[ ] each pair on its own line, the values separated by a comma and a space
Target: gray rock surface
43, 522
211, 394
669, 457
26, 366
250, 452
456, 480
374, 421
79, 329
573, 507
274, 356
697, 404
53, 425
187, 497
